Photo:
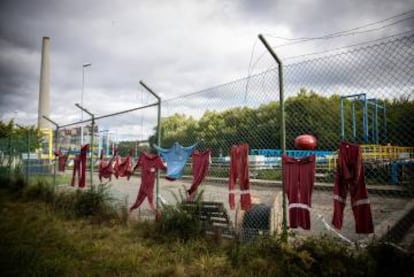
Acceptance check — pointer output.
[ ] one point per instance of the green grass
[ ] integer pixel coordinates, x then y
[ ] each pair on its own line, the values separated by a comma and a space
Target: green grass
44, 232
39, 241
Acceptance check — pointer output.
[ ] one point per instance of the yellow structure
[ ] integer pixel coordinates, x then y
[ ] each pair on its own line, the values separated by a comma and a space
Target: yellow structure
379, 152
46, 145
386, 152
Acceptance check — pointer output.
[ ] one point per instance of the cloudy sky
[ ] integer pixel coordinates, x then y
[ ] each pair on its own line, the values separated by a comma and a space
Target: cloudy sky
176, 47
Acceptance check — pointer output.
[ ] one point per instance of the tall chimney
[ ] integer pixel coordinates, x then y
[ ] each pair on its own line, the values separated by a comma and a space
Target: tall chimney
44, 86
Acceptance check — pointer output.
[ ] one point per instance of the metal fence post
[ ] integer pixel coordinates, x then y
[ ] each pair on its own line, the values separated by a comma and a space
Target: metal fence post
56, 145
92, 135
158, 137
282, 128
28, 156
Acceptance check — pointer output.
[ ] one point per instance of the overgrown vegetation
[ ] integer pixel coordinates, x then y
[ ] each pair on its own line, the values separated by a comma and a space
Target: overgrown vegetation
306, 112
65, 232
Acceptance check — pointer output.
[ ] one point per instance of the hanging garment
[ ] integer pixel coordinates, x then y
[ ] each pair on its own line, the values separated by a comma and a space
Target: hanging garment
239, 168
106, 168
83, 154
76, 170
62, 162
298, 179
62, 159
176, 157
79, 167
149, 164
350, 176
200, 164
123, 167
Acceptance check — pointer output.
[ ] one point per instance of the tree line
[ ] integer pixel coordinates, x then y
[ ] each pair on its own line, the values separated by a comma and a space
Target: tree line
15, 140
307, 112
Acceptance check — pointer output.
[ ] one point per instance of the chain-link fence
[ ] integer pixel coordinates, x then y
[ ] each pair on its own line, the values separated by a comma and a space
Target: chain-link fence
362, 95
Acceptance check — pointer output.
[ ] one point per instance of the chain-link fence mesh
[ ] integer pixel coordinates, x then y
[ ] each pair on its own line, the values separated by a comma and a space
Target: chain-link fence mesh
362, 95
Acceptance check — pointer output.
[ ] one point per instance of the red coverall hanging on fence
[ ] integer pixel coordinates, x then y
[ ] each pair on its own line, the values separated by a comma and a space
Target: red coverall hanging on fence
149, 164
62, 158
83, 154
239, 168
62, 162
106, 168
76, 170
350, 176
79, 166
123, 167
200, 164
298, 179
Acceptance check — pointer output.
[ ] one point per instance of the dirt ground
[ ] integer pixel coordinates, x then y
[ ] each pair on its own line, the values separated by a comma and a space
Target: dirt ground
386, 209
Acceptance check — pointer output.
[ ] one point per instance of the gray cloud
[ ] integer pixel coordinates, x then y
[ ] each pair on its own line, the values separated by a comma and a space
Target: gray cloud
174, 46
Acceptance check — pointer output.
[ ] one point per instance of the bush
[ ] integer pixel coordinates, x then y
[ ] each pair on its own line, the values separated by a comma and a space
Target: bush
179, 221
268, 256
391, 260
40, 191
335, 258
95, 201
12, 179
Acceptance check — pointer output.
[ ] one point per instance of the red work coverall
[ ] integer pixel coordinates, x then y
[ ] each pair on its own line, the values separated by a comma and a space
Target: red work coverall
105, 167
239, 168
83, 154
79, 166
76, 170
200, 163
149, 164
61, 160
123, 167
350, 176
298, 179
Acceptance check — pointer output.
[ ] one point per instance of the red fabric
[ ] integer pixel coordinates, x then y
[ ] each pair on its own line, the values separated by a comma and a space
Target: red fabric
79, 167
149, 164
123, 167
76, 170
200, 164
83, 155
298, 179
61, 160
239, 168
350, 176
106, 168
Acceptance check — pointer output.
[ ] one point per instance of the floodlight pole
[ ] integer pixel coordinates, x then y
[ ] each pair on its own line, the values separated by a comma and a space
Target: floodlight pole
282, 128
92, 135
56, 145
158, 137
83, 88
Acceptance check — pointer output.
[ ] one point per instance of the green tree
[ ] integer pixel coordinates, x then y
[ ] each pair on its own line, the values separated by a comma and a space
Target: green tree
400, 121
311, 113
16, 140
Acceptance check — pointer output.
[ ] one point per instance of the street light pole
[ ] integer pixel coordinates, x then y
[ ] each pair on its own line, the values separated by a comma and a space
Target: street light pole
83, 88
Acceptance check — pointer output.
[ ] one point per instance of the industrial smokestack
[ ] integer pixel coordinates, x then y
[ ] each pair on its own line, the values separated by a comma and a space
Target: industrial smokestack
44, 86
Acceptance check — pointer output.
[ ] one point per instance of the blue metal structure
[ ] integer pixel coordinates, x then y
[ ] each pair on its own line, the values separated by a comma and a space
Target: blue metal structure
366, 103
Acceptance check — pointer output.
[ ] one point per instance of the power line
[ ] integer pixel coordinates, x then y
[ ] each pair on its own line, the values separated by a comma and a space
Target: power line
349, 46
344, 31
342, 34
341, 48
